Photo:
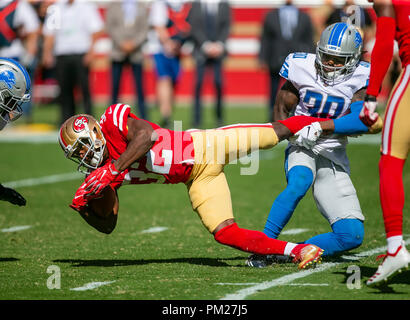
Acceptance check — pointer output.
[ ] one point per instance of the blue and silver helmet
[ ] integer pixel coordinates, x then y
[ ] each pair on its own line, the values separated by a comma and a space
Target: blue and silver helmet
341, 43
14, 90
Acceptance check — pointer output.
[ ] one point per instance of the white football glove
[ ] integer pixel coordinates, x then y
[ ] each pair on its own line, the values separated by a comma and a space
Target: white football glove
307, 136
368, 114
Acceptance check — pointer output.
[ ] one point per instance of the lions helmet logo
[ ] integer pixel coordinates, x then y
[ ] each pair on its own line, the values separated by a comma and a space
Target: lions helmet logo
80, 123
357, 39
8, 78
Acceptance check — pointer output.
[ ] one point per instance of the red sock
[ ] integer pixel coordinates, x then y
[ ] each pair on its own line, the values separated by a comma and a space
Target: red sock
249, 240
295, 123
392, 194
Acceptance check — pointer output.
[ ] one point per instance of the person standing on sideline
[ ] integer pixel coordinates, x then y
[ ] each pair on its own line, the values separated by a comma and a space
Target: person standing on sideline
210, 22
70, 31
127, 25
285, 30
170, 30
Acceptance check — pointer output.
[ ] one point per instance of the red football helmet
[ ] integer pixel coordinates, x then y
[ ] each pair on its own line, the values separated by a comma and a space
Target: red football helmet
83, 142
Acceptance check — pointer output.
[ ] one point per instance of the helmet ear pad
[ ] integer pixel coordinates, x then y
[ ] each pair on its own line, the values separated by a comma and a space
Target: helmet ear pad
83, 142
343, 41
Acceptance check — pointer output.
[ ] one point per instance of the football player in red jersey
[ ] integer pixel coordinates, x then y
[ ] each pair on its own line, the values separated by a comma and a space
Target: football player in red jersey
393, 23
124, 149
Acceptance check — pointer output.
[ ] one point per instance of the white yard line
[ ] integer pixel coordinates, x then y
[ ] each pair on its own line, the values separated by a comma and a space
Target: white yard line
244, 293
91, 286
154, 230
288, 284
293, 231
16, 228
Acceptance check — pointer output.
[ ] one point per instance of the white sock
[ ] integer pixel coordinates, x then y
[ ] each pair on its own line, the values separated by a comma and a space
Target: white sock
288, 248
393, 243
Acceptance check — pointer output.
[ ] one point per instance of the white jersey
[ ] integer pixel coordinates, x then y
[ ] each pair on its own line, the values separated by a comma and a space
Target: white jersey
318, 99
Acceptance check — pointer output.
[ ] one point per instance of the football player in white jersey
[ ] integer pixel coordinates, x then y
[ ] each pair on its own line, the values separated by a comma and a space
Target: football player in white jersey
328, 84
14, 90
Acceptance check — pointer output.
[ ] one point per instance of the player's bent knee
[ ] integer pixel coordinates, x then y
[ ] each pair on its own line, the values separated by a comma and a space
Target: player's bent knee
300, 178
350, 233
227, 235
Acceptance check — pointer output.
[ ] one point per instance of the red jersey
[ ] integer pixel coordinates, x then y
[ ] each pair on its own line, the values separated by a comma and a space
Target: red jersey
170, 160
402, 11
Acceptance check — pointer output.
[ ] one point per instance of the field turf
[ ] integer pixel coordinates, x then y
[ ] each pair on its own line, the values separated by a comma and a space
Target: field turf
183, 261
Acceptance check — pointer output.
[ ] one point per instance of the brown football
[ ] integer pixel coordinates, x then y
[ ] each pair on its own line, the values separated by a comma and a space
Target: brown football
103, 206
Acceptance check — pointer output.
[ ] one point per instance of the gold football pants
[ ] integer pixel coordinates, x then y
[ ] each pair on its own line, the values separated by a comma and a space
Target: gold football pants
396, 130
207, 186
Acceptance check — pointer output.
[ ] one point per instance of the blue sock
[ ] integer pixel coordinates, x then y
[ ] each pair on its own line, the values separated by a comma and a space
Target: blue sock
300, 179
347, 234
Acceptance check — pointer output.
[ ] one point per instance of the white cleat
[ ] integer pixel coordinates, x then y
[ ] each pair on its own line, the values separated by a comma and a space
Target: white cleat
391, 264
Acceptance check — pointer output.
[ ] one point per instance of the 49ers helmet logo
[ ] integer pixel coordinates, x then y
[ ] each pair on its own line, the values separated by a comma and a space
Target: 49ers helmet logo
80, 123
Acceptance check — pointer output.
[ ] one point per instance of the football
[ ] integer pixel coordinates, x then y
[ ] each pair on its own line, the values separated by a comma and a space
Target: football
104, 205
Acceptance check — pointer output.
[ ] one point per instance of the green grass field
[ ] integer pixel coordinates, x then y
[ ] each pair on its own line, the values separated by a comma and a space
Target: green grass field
182, 262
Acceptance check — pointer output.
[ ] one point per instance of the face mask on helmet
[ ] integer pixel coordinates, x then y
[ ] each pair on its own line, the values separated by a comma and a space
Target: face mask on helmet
338, 53
14, 90
82, 140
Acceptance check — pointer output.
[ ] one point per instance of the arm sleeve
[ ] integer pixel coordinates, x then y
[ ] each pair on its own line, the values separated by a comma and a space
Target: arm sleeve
351, 123
382, 53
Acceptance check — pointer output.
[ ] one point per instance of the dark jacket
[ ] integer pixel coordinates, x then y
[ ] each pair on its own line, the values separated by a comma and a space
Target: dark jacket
274, 48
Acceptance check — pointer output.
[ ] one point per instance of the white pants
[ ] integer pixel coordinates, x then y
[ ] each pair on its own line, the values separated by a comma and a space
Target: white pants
333, 190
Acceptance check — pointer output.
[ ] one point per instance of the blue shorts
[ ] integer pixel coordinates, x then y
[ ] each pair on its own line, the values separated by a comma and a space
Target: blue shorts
167, 67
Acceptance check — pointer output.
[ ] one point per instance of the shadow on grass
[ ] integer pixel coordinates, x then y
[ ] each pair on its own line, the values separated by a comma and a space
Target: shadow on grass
384, 287
212, 262
8, 259
399, 278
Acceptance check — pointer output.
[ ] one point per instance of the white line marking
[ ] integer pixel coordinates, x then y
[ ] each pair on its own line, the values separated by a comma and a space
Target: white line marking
288, 284
236, 284
43, 180
243, 293
154, 230
16, 228
294, 231
91, 286
307, 284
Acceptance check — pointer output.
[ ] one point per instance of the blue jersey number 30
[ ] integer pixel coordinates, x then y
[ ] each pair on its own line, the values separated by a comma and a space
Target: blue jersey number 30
321, 109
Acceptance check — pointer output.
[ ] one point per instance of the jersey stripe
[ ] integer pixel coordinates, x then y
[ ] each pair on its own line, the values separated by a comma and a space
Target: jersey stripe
121, 124
391, 112
114, 116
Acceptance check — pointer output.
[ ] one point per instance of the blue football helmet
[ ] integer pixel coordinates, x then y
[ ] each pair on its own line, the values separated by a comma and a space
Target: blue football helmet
14, 90
340, 42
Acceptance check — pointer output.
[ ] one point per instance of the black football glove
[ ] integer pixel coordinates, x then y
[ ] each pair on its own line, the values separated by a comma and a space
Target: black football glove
12, 196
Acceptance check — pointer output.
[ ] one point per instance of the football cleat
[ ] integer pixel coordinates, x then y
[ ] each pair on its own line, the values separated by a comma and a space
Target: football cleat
262, 261
307, 255
392, 263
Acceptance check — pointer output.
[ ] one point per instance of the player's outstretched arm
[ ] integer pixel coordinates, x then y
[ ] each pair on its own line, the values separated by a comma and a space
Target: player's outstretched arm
352, 123
382, 55
310, 128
